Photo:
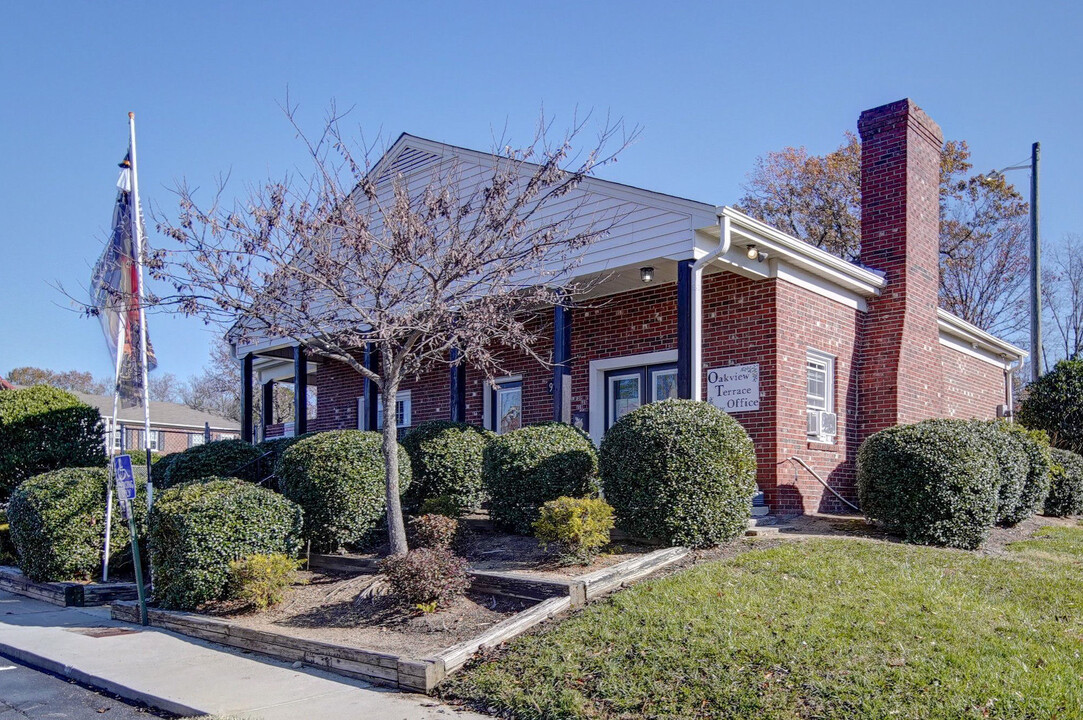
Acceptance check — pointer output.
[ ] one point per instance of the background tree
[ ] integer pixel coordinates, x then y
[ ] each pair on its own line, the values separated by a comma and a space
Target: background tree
76, 380
983, 231
339, 259
165, 387
217, 388
1062, 292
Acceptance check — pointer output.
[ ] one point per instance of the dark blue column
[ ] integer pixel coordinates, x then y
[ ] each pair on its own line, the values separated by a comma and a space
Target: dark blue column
684, 330
562, 363
300, 391
368, 421
246, 398
268, 407
458, 387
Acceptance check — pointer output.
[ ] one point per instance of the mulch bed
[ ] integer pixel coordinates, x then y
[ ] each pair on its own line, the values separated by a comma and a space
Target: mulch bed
328, 608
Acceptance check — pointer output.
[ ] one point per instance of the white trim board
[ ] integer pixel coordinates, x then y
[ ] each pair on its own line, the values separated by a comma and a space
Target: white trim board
596, 377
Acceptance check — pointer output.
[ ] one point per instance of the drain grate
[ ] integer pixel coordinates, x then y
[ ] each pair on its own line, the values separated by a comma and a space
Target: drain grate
101, 632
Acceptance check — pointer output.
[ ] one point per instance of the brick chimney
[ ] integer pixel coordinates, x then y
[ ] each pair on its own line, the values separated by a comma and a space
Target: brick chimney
901, 377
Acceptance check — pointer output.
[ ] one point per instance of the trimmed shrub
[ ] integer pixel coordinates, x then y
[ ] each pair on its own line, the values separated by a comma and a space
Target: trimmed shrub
934, 482
159, 470
1066, 491
579, 526
1012, 462
530, 466
42, 429
446, 459
679, 471
338, 478
58, 525
433, 531
1033, 446
442, 505
1054, 403
426, 576
197, 529
262, 580
222, 458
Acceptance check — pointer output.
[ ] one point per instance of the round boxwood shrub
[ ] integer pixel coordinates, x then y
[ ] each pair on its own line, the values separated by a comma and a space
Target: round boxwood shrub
197, 529
1012, 462
159, 470
58, 525
1066, 490
526, 468
274, 447
446, 460
222, 458
934, 482
679, 471
338, 478
43, 428
1054, 403
1033, 446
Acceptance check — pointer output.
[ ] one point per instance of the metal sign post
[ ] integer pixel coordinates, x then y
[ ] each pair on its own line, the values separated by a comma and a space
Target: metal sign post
125, 485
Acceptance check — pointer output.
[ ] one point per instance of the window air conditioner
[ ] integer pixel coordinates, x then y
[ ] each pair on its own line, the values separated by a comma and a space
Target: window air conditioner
814, 422
829, 424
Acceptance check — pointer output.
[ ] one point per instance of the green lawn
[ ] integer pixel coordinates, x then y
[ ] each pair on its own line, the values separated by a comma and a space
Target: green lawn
822, 629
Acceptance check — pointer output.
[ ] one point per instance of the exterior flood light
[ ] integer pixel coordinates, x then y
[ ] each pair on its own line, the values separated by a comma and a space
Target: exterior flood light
646, 274
753, 253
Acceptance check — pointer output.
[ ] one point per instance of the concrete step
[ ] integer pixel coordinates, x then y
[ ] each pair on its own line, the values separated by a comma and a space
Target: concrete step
759, 525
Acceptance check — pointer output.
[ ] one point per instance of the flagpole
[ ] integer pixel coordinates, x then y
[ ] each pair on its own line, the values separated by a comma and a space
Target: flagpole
112, 452
138, 235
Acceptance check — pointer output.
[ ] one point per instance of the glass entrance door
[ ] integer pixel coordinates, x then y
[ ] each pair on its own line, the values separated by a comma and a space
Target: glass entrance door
628, 388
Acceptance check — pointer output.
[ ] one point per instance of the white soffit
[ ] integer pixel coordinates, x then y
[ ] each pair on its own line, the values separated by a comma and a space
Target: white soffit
960, 335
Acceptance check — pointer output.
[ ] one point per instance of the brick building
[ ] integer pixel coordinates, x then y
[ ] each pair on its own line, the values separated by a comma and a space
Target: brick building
173, 427
811, 353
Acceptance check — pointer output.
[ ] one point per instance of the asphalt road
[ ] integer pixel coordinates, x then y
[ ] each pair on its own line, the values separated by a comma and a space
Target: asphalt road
27, 693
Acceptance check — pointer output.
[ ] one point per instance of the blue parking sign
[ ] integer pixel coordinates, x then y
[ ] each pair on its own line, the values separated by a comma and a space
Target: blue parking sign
125, 480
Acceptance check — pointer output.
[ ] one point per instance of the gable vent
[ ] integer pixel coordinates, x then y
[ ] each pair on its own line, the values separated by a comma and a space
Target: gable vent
408, 161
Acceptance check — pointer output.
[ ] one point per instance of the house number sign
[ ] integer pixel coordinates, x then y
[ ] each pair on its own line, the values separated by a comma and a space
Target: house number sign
735, 388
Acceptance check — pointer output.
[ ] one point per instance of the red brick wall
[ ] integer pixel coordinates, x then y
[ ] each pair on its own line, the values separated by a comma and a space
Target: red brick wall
813, 322
901, 378
972, 388
537, 401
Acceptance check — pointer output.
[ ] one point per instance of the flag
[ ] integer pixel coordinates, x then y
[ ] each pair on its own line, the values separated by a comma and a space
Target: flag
115, 293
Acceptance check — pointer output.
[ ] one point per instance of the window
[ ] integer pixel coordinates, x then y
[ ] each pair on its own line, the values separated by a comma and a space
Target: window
402, 410
195, 439
628, 388
154, 440
822, 421
506, 403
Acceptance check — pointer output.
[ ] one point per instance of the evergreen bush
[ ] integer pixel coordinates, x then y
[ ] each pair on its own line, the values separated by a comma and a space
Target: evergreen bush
1066, 491
1054, 403
935, 482
528, 467
43, 428
197, 529
580, 527
222, 458
338, 478
446, 459
57, 524
681, 472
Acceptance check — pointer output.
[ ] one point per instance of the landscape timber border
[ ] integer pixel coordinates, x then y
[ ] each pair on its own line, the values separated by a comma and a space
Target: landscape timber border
422, 674
65, 594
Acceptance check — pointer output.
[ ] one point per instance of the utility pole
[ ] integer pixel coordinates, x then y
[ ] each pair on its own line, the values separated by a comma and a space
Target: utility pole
1035, 270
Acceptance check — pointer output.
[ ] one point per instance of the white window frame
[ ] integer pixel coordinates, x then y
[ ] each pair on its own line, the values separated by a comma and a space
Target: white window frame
611, 397
156, 436
403, 399
487, 400
196, 439
827, 362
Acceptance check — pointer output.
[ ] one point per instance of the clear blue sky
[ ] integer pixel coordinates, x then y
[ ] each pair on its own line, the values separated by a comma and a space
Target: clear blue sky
713, 84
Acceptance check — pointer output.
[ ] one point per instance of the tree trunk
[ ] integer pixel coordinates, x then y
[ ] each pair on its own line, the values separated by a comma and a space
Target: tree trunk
396, 528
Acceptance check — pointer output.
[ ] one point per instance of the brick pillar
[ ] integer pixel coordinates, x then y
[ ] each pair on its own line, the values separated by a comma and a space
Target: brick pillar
901, 378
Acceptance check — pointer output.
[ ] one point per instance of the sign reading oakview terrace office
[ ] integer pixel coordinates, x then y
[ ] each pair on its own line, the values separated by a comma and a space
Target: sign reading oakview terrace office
735, 388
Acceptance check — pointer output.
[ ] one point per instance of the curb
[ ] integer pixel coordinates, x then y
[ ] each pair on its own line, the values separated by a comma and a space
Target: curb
39, 662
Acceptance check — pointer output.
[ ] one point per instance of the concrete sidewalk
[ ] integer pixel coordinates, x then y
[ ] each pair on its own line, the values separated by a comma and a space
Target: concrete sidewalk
188, 676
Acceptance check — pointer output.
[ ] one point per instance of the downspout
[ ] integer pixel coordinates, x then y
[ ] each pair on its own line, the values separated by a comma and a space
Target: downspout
724, 239
1009, 390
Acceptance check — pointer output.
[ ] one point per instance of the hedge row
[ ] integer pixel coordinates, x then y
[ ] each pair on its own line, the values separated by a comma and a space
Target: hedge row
947, 482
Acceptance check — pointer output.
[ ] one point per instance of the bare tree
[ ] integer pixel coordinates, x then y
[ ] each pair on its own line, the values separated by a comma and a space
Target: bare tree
77, 380
166, 387
983, 259
217, 389
344, 258
1062, 290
